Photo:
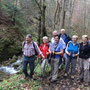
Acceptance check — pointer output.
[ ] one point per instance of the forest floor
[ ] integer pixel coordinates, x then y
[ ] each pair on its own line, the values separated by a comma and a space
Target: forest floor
64, 83
17, 82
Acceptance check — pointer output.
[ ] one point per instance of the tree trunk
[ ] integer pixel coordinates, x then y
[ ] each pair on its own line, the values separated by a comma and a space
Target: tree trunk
43, 19
41, 27
39, 31
84, 16
62, 15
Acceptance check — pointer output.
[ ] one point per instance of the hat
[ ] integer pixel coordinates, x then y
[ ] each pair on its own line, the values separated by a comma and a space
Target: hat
29, 35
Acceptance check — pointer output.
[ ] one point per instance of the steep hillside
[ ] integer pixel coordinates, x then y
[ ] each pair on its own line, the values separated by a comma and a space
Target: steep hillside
10, 42
12, 30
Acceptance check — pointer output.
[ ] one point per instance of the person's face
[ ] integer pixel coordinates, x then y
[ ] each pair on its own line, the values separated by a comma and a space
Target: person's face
45, 40
28, 39
62, 32
84, 40
56, 39
54, 34
74, 39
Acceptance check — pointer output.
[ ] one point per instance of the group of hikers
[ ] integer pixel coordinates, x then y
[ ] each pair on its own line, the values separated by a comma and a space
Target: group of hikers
61, 50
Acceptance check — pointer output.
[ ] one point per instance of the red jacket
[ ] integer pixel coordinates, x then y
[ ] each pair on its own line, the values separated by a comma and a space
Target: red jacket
44, 49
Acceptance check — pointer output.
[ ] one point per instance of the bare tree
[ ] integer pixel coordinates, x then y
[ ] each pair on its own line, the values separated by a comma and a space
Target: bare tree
64, 9
84, 16
42, 28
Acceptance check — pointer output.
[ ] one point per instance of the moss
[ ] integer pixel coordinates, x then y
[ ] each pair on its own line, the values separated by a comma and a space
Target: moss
9, 45
14, 50
18, 82
14, 58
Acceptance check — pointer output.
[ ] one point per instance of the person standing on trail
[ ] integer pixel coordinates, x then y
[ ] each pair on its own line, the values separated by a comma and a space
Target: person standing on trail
65, 37
84, 60
54, 33
30, 50
56, 49
71, 53
44, 47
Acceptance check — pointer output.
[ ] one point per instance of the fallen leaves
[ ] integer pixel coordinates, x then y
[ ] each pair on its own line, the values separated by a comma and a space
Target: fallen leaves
17, 82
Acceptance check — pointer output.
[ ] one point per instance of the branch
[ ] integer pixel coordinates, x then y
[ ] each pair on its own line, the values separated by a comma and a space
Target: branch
38, 5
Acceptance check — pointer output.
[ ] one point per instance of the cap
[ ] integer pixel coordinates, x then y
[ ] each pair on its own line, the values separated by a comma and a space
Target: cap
29, 35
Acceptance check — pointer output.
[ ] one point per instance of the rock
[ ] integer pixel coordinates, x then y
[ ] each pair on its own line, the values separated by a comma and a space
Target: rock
14, 58
16, 66
10, 61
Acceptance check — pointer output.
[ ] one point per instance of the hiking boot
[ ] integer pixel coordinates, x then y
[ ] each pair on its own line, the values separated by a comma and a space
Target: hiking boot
30, 76
72, 77
80, 79
86, 84
65, 75
27, 78
52, 81
43, 76
50, 78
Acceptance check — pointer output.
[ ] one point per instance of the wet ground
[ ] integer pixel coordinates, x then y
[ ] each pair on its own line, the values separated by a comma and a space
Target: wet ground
7, 69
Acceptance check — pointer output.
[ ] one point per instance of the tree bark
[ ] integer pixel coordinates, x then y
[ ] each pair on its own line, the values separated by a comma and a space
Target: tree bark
43, 19
62, 16
42, 28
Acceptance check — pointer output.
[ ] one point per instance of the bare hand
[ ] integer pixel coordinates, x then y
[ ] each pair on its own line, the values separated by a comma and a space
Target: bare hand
74, 55
53, 52
43, 58
47, 53
69, 54
50, 52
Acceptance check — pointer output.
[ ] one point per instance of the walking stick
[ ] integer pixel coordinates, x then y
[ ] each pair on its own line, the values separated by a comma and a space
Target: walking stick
37, 65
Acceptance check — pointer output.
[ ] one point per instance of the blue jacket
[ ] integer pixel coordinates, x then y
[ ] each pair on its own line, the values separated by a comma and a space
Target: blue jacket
74, 49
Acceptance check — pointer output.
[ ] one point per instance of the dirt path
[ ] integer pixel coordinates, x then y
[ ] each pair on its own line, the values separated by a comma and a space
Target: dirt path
64, 83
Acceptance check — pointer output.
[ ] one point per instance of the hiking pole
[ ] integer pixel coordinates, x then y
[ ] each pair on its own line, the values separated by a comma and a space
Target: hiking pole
37, 65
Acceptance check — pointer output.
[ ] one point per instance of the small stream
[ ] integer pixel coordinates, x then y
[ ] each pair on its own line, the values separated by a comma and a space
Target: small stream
6, 71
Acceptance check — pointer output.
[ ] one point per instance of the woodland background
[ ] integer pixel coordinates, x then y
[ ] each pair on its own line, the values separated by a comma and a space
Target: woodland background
39, 18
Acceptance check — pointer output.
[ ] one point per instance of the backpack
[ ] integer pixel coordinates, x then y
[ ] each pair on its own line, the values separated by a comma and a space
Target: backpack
67, 38
33, 46
36, 53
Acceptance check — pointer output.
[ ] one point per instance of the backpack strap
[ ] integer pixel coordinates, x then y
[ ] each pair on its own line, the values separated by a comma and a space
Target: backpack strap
67, 37
68, 43
35, 49
23, 44
34, 45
